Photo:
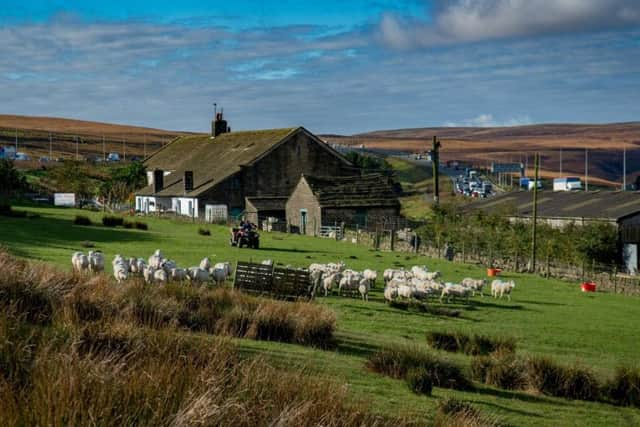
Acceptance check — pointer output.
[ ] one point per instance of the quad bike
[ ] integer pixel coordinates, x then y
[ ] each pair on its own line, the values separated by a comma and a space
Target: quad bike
250, 239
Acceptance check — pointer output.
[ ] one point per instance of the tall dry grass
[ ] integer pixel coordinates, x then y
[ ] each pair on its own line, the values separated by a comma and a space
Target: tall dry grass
79, 351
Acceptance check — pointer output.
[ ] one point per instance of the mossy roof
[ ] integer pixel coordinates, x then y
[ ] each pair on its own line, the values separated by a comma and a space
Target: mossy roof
211, 160
372, 190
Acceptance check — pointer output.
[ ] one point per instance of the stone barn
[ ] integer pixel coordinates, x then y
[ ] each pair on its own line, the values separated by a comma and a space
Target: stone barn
207, 176
267, 212
329, 201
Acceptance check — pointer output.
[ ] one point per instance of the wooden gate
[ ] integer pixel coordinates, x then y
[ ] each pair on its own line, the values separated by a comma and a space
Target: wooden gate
277, 282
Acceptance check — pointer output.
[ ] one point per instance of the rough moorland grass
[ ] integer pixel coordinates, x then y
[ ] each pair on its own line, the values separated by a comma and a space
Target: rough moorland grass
112, 221
396, 362
82, 220
419, 381
503, 370
204, 231
141, 225
456, 413
624, 388
473, 344
572, 382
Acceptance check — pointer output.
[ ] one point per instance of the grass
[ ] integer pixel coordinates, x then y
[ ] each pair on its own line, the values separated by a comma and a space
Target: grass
545, 317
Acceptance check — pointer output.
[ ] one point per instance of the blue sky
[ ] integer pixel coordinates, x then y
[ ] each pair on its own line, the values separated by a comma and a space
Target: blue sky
331, 66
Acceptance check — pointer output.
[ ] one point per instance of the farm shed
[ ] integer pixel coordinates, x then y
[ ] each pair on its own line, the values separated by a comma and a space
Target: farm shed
269, 209
620, 208
326, 201
227, 167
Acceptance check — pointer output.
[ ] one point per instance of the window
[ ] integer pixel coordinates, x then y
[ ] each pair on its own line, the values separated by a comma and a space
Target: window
190, 208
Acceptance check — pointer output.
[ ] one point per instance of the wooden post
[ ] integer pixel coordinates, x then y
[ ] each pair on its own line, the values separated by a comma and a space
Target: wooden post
392, 243
535, 213
357, 234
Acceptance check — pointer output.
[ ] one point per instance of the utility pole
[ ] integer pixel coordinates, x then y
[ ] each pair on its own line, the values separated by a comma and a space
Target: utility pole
535, 214
50, 147
435, 160
124, 150
586, 169
16, 140
624, 167
104, 150
77, 147
144, 144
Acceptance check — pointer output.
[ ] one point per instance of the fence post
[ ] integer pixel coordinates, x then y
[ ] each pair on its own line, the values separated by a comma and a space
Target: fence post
357, 234
392, 243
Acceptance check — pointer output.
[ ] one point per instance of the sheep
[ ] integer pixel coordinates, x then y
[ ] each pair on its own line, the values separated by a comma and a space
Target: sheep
336, 267
79, 261
160, 276
363, 288
475, 285
178, 274
390, 293
226, 267
350, 282
156, 259
198, 275
148, 273
168, 265
119, 259
267, 262
406, 291
96, 261
120, 272
432, 275
419, 272
500, 288
456, 291
371, 275
329, 281
219, 275
315, 281
390, 274
205, 263
137, 266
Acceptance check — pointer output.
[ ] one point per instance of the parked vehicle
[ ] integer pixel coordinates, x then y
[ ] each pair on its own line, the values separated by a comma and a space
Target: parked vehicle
567, 184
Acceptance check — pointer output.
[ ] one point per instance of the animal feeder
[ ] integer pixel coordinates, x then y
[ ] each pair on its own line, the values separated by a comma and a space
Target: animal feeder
588, 287
492, 272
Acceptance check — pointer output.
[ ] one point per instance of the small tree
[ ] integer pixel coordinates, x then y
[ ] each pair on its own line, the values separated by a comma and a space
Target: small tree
12, 182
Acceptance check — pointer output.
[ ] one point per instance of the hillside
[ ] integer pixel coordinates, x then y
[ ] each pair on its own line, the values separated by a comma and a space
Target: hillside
518, 143
33, 137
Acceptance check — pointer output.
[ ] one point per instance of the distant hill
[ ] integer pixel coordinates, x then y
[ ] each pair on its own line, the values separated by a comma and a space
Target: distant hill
33, 136
481, 146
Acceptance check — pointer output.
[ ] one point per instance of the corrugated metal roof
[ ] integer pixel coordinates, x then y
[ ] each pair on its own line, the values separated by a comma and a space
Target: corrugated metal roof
561, 204
356, 191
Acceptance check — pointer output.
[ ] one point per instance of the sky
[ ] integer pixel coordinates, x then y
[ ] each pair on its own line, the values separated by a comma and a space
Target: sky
332, 66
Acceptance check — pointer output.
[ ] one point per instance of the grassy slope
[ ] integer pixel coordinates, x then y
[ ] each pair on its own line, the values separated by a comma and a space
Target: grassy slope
546, 316
417, 181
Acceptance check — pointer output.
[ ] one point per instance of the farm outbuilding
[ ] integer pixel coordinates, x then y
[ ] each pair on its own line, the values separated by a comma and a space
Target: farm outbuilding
559, 208
320, 202
225, 168
268, 212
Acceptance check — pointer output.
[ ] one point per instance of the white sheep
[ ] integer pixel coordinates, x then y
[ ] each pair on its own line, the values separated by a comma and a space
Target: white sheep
315, 281
267, 262
148, 273
500, 288
137, 266
475, 285
372, 276
160, 276
390, 293
198, 275
205, 263
120, 272
96, 261
456, 291
226, 267
419, 272
219, 275
79, 261
156, 259
178, 274
168, 265
363, 288
120, 260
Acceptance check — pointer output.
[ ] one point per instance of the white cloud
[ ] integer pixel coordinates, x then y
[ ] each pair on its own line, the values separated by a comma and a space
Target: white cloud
488, 121
473, 20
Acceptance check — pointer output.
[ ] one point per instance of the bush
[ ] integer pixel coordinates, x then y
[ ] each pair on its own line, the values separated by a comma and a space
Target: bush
204, 231
456, 413
6, 210
82, 220
419, 381
396, 362
127, 224
469, 344
571, 382
624, 388
141, 225
507, 372
112, 221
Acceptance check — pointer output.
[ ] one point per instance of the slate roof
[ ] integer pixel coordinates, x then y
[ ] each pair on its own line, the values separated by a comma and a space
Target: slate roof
211, 160
373, 190
268, 203
610, 205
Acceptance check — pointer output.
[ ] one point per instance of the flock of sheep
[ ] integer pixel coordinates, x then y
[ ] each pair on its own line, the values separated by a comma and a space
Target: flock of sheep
157, 269
418, 283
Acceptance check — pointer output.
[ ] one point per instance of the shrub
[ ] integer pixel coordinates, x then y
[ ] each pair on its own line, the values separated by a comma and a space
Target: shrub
87, 244
127, 224
6, 210
506, 371
456, 413
204, 231
112, 221
82, 220
141, 225
624, 388
469, 344
572, 382
396, 362
419, 381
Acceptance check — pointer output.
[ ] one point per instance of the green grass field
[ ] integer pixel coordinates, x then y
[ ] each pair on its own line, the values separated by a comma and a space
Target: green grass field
547, 317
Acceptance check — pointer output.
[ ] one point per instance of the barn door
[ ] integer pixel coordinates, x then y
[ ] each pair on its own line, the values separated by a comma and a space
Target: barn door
303, 221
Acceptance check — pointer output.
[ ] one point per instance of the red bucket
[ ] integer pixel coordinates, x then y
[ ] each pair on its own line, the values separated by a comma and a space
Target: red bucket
491, 272
588, 287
